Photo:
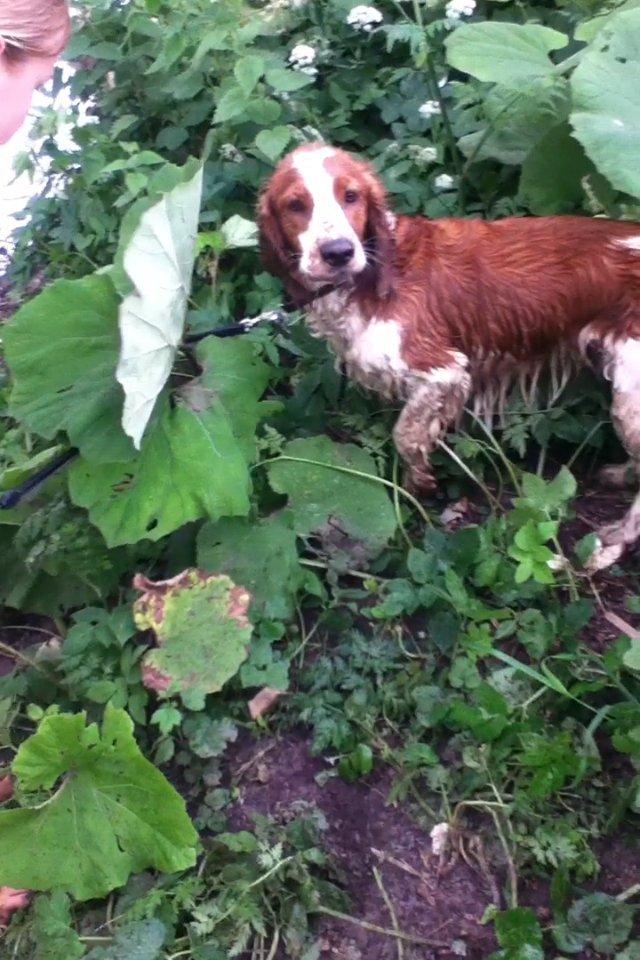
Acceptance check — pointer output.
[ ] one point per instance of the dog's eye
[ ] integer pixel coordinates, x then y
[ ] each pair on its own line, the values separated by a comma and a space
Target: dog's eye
296, 205
351, 196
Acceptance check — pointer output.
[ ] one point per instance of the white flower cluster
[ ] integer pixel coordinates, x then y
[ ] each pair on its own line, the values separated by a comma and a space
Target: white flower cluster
443, 182
430, 108
423, 156
302, 58
364, 18
459, 8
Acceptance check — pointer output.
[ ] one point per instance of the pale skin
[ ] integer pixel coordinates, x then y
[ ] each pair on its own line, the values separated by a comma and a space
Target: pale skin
18, 82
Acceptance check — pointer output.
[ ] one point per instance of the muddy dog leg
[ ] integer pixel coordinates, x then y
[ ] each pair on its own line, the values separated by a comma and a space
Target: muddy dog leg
624, 372
435, 400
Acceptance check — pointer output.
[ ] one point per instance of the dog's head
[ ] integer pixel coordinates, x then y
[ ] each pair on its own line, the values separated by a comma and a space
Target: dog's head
323, 219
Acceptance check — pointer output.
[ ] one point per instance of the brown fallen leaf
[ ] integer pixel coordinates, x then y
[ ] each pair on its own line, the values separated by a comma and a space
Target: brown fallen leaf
264, 701
6, 789
10, 901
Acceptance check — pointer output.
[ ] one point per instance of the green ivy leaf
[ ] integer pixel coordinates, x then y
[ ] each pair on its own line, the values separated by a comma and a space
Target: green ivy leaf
230, 104
201, 629
606, 94
117, 813
67, 381
507, 53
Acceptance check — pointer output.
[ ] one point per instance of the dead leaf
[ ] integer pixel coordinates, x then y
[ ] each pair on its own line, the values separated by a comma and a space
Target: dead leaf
10, 901
263, 702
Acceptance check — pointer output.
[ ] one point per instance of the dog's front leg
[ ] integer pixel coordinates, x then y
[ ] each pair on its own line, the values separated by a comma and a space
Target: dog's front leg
435, 400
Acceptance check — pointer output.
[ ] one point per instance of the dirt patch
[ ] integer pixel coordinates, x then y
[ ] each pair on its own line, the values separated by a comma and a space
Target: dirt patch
444, 908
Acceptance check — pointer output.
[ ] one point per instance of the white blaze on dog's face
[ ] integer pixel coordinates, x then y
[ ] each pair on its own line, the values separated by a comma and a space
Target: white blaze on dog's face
332, 242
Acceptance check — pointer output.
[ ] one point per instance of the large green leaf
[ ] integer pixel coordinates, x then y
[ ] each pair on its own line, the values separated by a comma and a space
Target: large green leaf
606, 94
508, 53
62, 348
202, 631
333, 492
261, 556
158, 259
516, 120
551, 179
113, 812
194, 457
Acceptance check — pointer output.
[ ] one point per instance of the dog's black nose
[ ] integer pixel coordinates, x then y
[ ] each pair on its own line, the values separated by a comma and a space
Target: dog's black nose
337, 253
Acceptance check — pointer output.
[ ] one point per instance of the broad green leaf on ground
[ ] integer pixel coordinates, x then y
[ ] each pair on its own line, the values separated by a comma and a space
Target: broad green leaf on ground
53, 933
202, 633
507, 53
62, 348
260, 556
140, 940
606, 97
551, 179
194, 458
333, 492
116, 812
158, 259
516, 120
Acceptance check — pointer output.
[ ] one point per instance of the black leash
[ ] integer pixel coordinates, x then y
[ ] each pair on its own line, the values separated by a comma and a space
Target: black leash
12, 498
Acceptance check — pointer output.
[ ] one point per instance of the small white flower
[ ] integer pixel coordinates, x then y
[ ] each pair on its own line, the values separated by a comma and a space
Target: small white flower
310, 71
439, 838
443, 182
557, 563
302, 55
430, 108
459, 8
364, 18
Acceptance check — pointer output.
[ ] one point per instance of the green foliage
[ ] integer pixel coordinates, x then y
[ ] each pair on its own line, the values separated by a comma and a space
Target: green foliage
118, 814
467, 674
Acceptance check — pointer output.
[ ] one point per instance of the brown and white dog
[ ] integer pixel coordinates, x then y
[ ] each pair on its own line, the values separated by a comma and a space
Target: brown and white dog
436, 312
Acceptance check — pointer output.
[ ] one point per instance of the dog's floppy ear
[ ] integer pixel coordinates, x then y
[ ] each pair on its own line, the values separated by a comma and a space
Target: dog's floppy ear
380, 235
273, 250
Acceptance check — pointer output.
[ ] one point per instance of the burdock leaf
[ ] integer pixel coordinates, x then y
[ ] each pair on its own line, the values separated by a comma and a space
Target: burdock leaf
202, 631
113, 812
158, 258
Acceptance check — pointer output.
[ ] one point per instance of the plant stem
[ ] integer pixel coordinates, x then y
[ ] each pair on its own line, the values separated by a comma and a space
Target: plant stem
374, 928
